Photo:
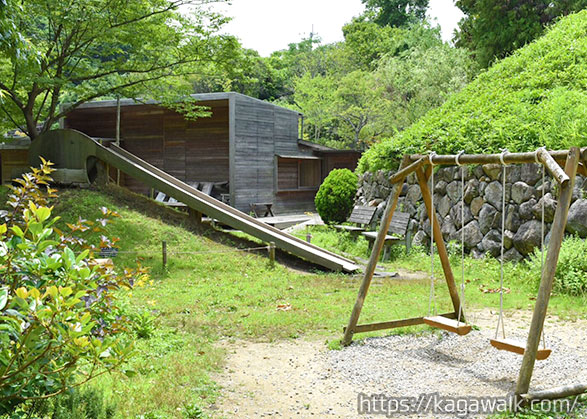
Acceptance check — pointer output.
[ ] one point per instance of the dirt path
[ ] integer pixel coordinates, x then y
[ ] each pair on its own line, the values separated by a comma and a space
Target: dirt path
302, 378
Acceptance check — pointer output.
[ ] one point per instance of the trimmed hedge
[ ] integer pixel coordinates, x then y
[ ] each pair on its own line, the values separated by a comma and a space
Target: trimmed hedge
535, 97
336, 196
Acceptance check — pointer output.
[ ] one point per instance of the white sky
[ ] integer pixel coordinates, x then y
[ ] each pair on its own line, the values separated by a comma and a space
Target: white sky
270, 25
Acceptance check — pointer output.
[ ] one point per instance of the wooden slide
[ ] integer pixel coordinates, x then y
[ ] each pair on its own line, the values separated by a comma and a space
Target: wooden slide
77, 149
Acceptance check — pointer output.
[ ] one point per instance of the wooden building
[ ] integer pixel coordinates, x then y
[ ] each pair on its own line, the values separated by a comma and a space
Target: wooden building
249, 149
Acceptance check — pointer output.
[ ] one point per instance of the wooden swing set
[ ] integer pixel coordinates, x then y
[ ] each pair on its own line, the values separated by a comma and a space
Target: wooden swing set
574, 161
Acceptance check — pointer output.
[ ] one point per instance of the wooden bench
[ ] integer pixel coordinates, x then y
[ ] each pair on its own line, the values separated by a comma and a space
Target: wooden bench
401, 234
361, 216
262, 209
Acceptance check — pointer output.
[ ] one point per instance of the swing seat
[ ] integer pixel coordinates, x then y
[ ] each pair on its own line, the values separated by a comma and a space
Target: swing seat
450, 325
511, 345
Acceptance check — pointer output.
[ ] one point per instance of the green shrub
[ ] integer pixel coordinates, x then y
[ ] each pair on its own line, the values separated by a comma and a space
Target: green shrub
535, 97
571, 271
59, 320
335, 199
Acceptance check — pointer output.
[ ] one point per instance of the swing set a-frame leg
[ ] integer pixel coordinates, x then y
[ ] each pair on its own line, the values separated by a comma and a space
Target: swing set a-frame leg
374, 258
378, 246
556, 237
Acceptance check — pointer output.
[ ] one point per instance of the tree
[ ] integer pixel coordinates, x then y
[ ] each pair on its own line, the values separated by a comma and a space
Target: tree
396, 13
75, 51
361, 107
493, 29
424, 78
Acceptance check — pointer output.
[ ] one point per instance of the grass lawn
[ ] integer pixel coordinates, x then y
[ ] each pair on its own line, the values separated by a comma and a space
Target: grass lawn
218, 293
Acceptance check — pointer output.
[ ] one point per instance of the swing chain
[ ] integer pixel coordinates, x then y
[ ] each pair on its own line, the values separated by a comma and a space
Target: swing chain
432, 299
500, 320
462, 299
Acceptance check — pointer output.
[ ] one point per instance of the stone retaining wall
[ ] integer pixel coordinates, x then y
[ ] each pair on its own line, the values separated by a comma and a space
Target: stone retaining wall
483, 203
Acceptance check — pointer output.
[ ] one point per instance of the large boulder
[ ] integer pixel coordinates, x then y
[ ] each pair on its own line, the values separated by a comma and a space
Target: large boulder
448, 228
414, 194
471, 190
530, 173
473, 235
476, 205
549, 208
491, 243
489, 218
453, 191
512, 218
493, 171
493, 194
444, 206
521, 192
526, 209
527, 237
455, 214
577, 220
512, 255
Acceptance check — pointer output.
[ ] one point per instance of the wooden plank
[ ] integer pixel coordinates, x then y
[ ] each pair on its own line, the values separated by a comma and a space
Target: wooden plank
450, 325
394, 324
362, 214
373, 259
519, 348
440, 246
557, 233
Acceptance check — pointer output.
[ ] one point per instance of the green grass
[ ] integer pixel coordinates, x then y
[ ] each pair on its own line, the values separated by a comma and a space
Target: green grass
481, 275
198, 299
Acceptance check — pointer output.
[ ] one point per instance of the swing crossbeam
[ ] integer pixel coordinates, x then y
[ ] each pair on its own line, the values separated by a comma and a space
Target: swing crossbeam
450, 325
519, 348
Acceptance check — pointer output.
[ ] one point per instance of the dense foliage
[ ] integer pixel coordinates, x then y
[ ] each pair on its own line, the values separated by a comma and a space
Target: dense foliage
494, 29
396, 12
535, 97
571, 271
336, 196
58, 306
56, 55
381, 80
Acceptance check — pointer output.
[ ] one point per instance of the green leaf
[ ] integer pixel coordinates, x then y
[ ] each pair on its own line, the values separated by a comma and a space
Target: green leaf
16, 230
3, 298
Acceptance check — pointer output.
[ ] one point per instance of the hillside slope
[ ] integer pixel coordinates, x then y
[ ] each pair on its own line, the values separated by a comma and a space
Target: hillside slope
537, 96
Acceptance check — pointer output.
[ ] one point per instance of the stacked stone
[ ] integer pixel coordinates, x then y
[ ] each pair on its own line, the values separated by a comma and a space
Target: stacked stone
483, 207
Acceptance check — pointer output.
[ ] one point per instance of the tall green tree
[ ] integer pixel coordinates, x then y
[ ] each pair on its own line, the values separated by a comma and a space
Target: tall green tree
396, 13
61, 54
493, 29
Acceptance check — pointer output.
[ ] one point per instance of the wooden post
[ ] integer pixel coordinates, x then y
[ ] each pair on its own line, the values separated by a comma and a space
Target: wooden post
164, 252
271, 250
552, 166
309, 237
195, 215
556, 237
438, 239
118, 135
375, 253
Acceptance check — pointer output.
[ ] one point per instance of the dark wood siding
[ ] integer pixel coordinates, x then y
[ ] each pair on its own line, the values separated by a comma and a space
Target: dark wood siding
192, 151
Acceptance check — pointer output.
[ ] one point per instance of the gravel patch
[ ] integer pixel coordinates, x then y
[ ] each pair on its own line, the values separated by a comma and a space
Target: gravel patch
303, 378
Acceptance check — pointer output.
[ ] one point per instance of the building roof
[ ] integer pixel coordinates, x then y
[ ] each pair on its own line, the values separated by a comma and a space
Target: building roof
198, 96
319, 148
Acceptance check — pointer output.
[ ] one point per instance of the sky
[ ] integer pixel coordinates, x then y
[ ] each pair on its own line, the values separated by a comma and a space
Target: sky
270, 25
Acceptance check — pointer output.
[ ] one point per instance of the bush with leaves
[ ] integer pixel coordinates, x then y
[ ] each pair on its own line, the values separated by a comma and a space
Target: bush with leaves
571, 271
59, 321
336, 196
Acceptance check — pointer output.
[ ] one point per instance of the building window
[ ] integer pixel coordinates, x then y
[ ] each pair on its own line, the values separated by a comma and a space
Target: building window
295, 173
309, 174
